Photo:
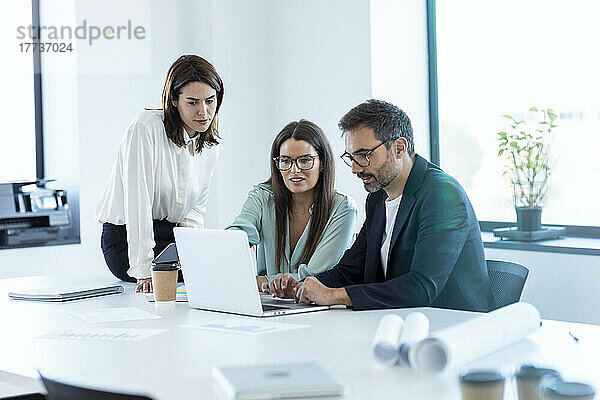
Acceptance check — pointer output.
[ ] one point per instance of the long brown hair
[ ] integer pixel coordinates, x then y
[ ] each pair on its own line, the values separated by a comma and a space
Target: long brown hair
187, 69
323, 191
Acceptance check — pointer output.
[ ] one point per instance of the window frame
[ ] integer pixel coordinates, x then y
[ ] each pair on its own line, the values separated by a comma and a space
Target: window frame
434, 128
37, 93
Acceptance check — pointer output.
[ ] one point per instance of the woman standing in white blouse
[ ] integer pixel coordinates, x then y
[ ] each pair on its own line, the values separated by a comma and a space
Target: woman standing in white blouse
163, 171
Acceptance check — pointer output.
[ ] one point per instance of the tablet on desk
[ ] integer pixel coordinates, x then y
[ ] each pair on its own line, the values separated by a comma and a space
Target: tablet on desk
277, 381
168, 256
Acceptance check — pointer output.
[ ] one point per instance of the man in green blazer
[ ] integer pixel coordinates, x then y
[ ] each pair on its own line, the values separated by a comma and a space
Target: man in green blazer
420, 244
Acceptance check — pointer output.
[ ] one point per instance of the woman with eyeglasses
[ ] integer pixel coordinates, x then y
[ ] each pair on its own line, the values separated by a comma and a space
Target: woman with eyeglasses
301, 224
163, 171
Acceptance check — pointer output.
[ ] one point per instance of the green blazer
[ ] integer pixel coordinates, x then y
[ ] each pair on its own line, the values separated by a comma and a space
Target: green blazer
436, 256
257, 219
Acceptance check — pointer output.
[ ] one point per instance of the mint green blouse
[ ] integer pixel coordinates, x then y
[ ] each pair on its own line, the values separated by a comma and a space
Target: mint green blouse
257, 219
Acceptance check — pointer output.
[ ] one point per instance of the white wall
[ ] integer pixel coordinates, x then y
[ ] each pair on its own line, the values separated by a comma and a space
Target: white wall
242, 55
400, 62
283, 61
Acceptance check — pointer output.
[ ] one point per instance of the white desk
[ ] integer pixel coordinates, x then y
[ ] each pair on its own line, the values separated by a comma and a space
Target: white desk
177, 364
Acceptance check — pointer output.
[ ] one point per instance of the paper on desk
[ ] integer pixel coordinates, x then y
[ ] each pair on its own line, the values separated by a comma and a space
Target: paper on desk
386, 343
105, 334
118, 314
416, 328
246, 327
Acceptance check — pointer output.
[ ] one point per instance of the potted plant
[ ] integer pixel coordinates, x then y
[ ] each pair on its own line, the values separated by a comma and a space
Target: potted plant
526, 149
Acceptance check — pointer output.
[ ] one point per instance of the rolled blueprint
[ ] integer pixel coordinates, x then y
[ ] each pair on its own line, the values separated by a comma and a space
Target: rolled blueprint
416, 328
475, 338
386, 342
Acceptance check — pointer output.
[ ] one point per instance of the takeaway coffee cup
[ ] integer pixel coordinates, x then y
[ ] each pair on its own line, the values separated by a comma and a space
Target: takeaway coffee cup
482, 385
528, 379
554, 388
164, 281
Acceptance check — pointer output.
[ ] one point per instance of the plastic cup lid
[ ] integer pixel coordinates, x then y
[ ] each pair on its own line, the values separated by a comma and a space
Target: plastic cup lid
532, 372
481, 377
165, 267
560, 388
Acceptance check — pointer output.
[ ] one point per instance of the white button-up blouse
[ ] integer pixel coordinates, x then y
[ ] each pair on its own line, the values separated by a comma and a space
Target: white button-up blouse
152, 178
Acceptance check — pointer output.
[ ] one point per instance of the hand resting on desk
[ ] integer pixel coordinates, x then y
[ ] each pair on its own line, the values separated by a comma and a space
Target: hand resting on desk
144, 285
311, 290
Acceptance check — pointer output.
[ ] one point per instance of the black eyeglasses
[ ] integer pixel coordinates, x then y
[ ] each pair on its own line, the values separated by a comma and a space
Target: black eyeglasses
363, 158
303, 162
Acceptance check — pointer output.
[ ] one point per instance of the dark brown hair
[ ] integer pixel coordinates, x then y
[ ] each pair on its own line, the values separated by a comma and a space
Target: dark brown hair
323, 190
387, 121
187, 69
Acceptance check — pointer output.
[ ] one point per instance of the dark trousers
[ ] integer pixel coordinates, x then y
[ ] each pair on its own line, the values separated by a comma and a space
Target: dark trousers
114, 246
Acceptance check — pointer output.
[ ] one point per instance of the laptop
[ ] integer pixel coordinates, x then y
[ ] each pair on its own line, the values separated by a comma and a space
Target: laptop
277, 381
220, 275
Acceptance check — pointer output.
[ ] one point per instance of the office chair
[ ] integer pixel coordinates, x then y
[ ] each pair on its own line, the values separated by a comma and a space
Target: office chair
507, 280
61, 391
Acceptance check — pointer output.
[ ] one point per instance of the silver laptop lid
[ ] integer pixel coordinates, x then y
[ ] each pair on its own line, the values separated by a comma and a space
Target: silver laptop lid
218, 271
277, 381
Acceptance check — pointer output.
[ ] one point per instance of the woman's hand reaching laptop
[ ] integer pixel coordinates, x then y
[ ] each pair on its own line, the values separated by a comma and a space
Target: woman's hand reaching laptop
281, 286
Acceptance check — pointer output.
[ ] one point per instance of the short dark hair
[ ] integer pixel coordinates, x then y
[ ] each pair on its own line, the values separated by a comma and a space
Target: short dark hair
387, 121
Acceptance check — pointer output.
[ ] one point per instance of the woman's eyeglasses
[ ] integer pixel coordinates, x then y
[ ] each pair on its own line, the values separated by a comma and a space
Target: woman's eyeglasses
303, 162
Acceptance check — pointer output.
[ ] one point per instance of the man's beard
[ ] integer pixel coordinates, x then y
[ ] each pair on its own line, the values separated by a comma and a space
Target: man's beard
383, 176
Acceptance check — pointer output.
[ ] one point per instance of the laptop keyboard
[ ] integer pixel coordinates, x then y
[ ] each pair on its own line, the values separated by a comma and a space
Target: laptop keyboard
266, 307
284, 305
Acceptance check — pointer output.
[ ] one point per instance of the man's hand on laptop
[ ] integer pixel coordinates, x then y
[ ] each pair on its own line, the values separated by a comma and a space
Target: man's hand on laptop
281, 286
313, 291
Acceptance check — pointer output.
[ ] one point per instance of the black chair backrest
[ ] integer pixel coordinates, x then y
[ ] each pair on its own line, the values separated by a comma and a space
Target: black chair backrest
507, 280
61, 391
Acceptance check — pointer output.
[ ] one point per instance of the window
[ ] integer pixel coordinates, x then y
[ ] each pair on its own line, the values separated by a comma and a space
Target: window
18, 146
502, 57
